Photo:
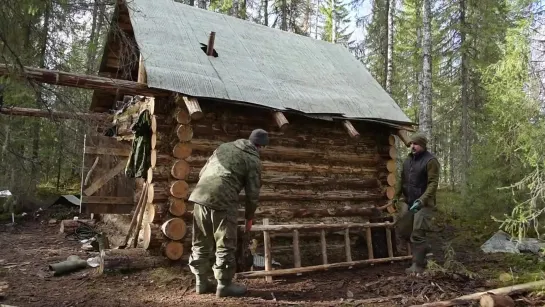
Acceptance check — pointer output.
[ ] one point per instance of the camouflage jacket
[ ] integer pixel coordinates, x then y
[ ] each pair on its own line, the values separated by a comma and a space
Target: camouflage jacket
232, 167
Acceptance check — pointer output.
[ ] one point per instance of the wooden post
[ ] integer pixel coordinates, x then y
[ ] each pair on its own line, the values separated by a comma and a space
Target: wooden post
267, 243
347, 244
350, 129
280, 120
369, 241
389, 242
210, 47
296, 251
323, 245
142, 77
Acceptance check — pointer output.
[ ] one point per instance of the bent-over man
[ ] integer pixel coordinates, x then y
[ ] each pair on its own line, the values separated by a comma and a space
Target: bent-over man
232, 167
418, 184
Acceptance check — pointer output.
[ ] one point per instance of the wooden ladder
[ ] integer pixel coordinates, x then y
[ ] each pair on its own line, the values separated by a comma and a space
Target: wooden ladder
266, 228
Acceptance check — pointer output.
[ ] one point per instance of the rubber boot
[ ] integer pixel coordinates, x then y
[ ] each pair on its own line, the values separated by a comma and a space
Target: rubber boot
228, 288
419, 259
204, 285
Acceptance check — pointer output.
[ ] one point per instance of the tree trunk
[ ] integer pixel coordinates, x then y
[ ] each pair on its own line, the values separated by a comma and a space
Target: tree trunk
283, 18
60, 156
266, 13
35, 169
390, 5
91, 48
426, 94
465, 137
202, 4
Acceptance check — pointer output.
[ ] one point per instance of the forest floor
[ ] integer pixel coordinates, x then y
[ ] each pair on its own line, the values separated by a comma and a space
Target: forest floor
457, 268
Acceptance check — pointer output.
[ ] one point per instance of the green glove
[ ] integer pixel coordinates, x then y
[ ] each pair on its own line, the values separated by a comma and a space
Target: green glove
417, 205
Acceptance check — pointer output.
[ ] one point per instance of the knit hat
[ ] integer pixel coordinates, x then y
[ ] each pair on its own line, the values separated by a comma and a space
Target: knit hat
259, 137
419, 139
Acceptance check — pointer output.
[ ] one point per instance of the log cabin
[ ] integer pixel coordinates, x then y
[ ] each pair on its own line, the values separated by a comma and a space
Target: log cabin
207, 78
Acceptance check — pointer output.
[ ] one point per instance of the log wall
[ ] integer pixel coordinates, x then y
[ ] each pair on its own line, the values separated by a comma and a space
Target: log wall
313, 171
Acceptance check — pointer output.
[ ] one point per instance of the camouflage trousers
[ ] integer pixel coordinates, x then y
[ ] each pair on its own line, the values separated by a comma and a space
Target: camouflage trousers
214, 230
413, 228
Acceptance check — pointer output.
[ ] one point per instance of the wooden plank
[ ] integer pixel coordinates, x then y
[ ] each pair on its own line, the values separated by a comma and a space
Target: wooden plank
321, 267
323, 246
369, 241
389, 242
105, 178
296, 250
290, 227
267, 243
347, 244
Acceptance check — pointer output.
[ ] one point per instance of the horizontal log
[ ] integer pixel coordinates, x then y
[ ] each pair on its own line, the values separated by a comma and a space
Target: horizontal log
173, 250
323, 267
267, 166
129, 259
206, 148
181, 115
277, 179
215, 131
280, 120
288, 213
291, 227
153, 237
69, 226
15, 111
80, 81
122, 151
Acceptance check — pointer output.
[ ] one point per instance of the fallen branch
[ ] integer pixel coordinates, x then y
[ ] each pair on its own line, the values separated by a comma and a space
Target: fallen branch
377, 300
466, 299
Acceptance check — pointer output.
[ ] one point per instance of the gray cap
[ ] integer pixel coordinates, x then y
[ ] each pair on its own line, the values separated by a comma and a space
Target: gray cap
259, 137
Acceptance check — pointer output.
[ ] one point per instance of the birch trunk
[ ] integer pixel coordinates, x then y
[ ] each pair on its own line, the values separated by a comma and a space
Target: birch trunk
390, 5
426, 94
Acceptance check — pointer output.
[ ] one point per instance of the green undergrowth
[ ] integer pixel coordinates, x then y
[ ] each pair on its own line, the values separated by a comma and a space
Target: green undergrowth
468, 227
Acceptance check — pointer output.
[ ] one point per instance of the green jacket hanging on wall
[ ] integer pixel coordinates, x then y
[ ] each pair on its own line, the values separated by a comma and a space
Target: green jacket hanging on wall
140, 158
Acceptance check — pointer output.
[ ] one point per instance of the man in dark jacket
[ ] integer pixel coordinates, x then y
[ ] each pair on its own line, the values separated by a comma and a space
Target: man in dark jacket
418, 184
232, 167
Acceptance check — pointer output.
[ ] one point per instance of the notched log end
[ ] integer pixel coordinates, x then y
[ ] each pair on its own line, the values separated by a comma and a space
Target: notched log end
351, 130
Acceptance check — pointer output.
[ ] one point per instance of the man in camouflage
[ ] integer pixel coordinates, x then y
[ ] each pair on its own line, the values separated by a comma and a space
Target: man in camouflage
232, 167
418, 184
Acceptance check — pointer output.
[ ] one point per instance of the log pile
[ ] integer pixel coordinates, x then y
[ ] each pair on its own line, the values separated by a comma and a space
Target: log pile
164, 227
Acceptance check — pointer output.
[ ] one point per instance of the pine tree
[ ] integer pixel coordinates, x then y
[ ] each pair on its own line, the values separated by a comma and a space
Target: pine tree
336, 23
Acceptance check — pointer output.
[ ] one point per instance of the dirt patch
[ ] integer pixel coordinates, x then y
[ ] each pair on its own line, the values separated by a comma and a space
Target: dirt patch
27, 249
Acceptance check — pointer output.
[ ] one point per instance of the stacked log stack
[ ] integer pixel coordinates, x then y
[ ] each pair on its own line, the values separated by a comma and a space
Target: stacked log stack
165, 228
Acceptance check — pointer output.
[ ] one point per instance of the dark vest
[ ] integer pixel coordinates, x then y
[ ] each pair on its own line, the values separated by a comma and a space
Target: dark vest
415, 175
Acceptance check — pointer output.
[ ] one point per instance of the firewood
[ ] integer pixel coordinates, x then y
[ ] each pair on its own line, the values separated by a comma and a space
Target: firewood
179, 189
466, 299
153, 237
181, 150
173, 250
182, 116
174, 229
128, 259
69, 226
493, 300
391, 165
180, 169
176, 206
184, 132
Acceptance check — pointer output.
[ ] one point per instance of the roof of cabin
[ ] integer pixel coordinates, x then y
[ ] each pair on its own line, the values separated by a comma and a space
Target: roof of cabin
255, 64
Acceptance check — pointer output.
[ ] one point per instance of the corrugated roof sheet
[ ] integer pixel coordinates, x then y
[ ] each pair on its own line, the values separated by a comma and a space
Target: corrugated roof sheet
256, 64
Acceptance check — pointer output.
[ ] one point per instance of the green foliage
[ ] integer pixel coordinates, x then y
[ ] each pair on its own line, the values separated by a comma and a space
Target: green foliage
336, 16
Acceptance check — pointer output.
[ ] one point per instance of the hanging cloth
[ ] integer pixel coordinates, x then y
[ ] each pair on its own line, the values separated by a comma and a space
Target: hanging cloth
140, 158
